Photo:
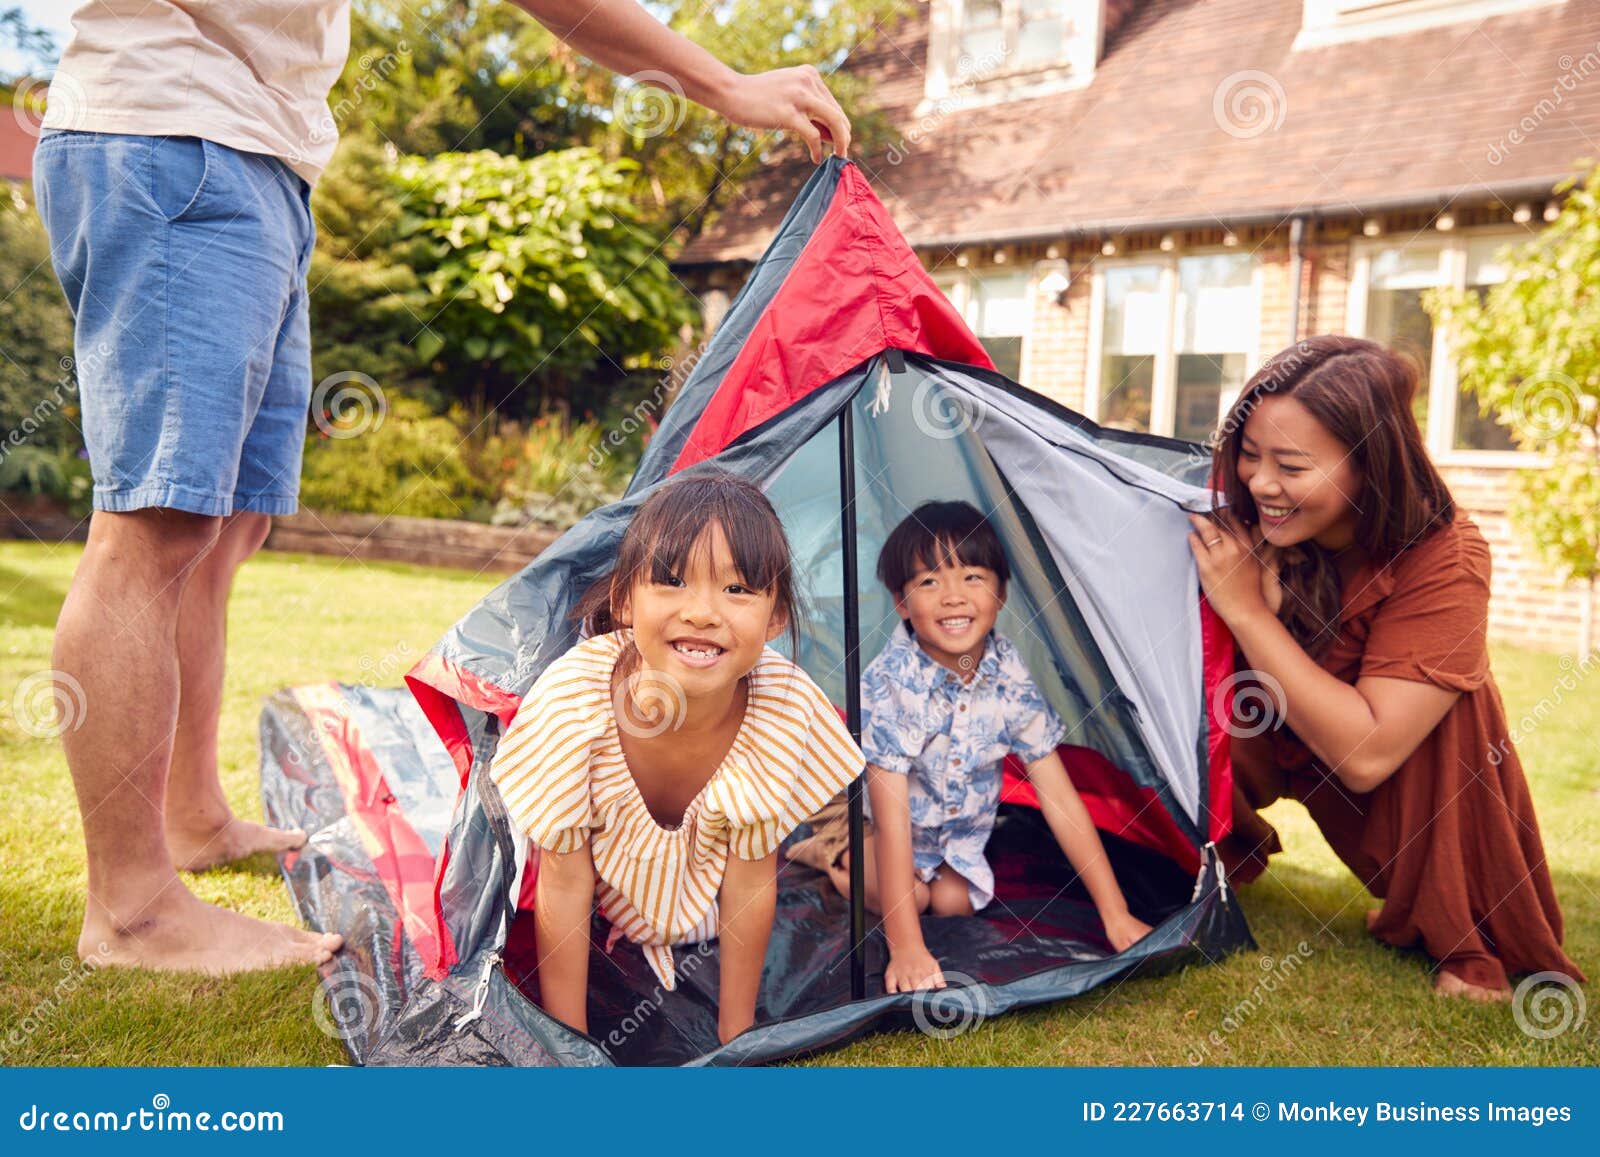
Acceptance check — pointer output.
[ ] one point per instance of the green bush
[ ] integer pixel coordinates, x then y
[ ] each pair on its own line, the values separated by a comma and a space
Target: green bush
402, 460
38, 389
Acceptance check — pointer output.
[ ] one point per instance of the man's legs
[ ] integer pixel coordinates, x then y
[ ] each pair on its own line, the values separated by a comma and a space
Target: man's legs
202, 830
118, 637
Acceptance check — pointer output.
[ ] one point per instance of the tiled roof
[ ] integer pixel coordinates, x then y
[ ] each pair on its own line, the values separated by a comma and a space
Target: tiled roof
1389, 121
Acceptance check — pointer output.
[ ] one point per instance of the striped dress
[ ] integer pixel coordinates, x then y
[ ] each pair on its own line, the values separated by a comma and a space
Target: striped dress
561, 771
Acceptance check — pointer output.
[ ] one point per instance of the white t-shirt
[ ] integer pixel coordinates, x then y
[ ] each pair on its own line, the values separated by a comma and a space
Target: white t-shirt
251, 74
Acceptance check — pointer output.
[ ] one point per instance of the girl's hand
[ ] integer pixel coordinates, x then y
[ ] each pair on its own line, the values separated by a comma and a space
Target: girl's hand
912, 969
1125, 929
1231, 574
731, 1025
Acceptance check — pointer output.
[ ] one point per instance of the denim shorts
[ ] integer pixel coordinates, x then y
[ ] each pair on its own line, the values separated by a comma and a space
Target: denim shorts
184, 262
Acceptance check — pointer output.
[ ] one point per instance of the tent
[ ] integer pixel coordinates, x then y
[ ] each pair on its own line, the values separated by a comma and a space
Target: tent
845, 383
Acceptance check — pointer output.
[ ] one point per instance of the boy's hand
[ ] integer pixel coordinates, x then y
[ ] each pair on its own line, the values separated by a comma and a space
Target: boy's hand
1125, 930
913, 969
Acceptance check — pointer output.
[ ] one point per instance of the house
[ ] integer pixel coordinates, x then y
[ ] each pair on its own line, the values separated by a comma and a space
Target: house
1135, 202
18, 136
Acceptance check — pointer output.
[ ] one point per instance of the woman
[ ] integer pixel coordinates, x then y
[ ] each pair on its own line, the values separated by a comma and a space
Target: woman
1358, 598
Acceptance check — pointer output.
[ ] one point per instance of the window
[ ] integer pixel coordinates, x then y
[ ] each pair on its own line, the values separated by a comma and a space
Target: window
1176, 340
1388, 282
983, 51
1216, 324
1337, 21
1132, 339
996, 306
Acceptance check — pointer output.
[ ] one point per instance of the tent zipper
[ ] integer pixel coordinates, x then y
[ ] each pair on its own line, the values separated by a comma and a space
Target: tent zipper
480, 992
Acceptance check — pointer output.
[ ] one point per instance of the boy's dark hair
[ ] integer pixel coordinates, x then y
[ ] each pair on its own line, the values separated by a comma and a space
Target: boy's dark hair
936, 533
669, 525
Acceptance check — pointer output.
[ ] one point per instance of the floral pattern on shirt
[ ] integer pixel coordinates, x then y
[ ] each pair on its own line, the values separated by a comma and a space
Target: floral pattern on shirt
919, 719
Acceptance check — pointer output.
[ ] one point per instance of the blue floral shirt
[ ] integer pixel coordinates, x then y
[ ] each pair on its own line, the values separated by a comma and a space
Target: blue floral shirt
950, 737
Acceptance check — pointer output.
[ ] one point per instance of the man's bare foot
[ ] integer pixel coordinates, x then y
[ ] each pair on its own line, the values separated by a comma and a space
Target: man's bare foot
1449, 984
179, 932
198, 850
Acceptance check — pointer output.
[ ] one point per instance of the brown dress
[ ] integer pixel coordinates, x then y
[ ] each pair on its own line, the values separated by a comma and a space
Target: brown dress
1449, 841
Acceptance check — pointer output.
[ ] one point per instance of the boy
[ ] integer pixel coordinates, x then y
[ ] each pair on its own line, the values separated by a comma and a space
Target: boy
942, 706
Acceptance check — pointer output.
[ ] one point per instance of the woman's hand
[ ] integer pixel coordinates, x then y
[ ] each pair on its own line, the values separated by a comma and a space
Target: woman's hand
912, 969
1231, 573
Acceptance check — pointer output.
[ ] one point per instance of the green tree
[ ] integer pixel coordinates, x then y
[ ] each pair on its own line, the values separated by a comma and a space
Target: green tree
38, 383
1530, 349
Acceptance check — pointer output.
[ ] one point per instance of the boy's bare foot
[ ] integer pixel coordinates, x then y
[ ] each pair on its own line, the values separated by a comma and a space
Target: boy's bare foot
179, 932
197, 850
1449, 984
1372, 917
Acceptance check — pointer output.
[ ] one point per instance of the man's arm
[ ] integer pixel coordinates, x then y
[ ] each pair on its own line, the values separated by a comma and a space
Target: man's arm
622, 36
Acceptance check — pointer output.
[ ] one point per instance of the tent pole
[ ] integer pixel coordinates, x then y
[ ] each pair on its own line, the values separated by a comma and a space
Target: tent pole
852, 699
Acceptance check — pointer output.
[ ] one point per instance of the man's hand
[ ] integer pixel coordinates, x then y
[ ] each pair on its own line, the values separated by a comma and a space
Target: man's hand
622, 36
912, 969
794, 100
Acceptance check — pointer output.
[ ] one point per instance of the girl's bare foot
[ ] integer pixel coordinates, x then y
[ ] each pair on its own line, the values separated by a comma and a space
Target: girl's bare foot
179, 932
1449, 984
196, 850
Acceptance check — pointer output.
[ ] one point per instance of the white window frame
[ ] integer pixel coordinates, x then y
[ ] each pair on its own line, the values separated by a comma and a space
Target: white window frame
1164, 387
1445, 383
956, 284
946, 90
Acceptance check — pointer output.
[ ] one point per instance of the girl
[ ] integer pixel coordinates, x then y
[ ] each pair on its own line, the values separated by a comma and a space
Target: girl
670, 738
1359, 597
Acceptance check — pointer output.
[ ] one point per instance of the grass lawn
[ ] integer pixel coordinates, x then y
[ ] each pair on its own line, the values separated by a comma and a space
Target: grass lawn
298, 619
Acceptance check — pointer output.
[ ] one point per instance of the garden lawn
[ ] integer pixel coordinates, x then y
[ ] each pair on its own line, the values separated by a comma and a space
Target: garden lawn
298, 619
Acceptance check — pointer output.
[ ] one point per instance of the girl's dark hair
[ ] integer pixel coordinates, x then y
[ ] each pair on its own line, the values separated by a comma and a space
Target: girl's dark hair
1361, 393
671, 525
935, 532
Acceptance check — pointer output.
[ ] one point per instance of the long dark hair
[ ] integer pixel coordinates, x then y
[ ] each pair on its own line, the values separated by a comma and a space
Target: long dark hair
671, 524
1361, 393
